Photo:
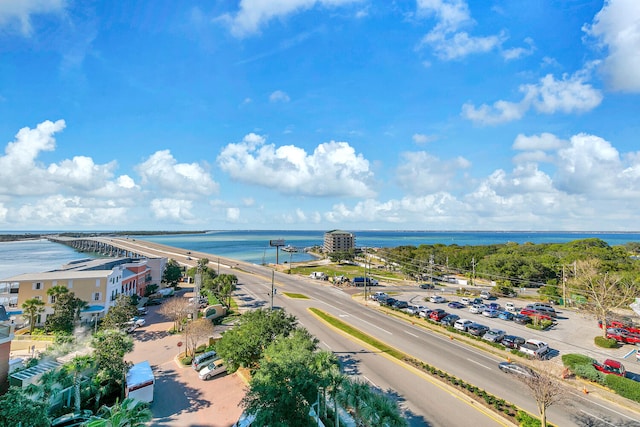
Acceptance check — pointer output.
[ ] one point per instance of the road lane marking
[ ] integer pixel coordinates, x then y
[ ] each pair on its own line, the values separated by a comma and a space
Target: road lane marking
413, 335
603, 406
372, 383
326, 345
597, 418
479, 364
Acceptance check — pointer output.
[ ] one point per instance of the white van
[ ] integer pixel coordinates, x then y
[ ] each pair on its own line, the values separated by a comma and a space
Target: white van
462, 324
509, 306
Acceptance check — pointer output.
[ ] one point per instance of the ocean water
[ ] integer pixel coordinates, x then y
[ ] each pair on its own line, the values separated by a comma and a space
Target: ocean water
32, 256
253, 246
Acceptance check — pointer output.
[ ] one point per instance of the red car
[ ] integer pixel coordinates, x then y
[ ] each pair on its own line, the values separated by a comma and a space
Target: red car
623, 336
437, 315
634, 329
535, 314
610, 366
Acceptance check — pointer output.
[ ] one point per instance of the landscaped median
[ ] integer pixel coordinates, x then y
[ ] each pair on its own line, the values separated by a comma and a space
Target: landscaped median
507, 410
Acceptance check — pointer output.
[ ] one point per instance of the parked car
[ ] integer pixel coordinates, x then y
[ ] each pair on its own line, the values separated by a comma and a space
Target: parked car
462, 324
535, 348
214, 368
514, 368
477, 308
506, 315
512, 341
477, 301
139, 321
610, 366
465, 301
449, 319
376, 296
437, 314
494, 335
489, 312
437, 299
535, 314
400, 304
425, 312
522, 319
477, 329
414, 309
455, 304
623, 336
203, 359
73, 419
494, 305
142, 311
427, 286
509, 306
388, 301
485, 294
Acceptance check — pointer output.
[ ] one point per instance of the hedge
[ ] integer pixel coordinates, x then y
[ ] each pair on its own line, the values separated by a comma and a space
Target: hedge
572, 359
603, 342
625, 387
590, 373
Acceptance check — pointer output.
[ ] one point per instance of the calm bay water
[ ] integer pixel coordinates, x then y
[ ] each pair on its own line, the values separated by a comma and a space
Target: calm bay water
253, 246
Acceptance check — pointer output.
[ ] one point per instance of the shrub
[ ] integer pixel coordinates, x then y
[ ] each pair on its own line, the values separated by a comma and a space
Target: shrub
201, 348
572, 359
590, 373
603, 342
186, 360
527, 420
625, 387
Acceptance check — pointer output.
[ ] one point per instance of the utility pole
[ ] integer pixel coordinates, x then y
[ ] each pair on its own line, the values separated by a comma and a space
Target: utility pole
272, 288
473, 271
564, 288
431, 267
365, 275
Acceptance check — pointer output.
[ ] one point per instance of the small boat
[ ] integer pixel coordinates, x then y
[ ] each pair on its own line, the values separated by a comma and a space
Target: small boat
290, 248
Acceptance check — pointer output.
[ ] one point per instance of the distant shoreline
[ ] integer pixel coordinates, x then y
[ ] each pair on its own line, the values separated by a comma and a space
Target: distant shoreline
38, 236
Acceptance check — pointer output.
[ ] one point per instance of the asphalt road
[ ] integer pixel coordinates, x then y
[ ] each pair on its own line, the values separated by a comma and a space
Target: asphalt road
425, 403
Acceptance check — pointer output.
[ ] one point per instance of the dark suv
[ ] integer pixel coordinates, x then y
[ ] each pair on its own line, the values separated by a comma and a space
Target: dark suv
477, 329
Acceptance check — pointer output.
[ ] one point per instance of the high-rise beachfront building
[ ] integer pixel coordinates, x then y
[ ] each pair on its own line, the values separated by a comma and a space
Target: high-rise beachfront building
338, 241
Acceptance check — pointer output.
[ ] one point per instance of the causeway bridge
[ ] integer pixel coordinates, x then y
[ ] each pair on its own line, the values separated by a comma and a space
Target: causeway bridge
100, 245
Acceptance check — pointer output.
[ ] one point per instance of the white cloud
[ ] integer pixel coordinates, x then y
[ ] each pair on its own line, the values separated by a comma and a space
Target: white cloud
545, 141
19, 12
333, 169
421, 138
162, 172
445, 38
571, 94
617, 26
178, 210
279, 96
233, 214
420, 172
519, 52
254, 14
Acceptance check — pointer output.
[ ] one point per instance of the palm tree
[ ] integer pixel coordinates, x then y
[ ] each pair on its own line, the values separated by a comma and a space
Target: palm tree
76, 367
129, 413
56, 291
49, 384
32, 307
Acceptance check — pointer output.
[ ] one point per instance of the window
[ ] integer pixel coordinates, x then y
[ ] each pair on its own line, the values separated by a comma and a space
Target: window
97, 296
37, 286
52, 299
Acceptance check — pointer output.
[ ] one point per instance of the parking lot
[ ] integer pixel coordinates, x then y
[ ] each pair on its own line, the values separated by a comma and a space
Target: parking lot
181, 398
573, 331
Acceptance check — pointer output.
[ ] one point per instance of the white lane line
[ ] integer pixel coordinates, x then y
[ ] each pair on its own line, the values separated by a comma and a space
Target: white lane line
356, 317
413, 335
593, 402
479, 364
326, 345
597, 418
372, 383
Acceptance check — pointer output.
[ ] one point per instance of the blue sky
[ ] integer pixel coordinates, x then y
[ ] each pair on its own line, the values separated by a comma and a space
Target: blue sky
320, 114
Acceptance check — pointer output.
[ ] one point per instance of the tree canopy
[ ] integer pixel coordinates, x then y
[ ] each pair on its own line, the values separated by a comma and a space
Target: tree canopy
243, 345
16, 408
172, 273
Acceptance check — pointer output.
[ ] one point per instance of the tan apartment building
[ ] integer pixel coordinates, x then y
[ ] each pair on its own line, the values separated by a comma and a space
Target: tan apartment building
97, 282
338, 241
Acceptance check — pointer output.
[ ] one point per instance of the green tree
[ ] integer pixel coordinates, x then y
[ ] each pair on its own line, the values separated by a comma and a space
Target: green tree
120, 313
65, 311
368, 406
224, 285
48, 385
243, 345
32, 308
78, 366
172, 273
286, 385
110, 346
150, 290
128, 413
16, 408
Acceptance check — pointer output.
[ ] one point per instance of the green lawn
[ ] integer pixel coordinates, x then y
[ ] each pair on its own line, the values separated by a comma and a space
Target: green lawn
294, 295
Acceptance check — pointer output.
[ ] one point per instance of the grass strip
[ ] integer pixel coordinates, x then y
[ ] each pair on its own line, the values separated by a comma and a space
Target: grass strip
357, 333
295, 295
